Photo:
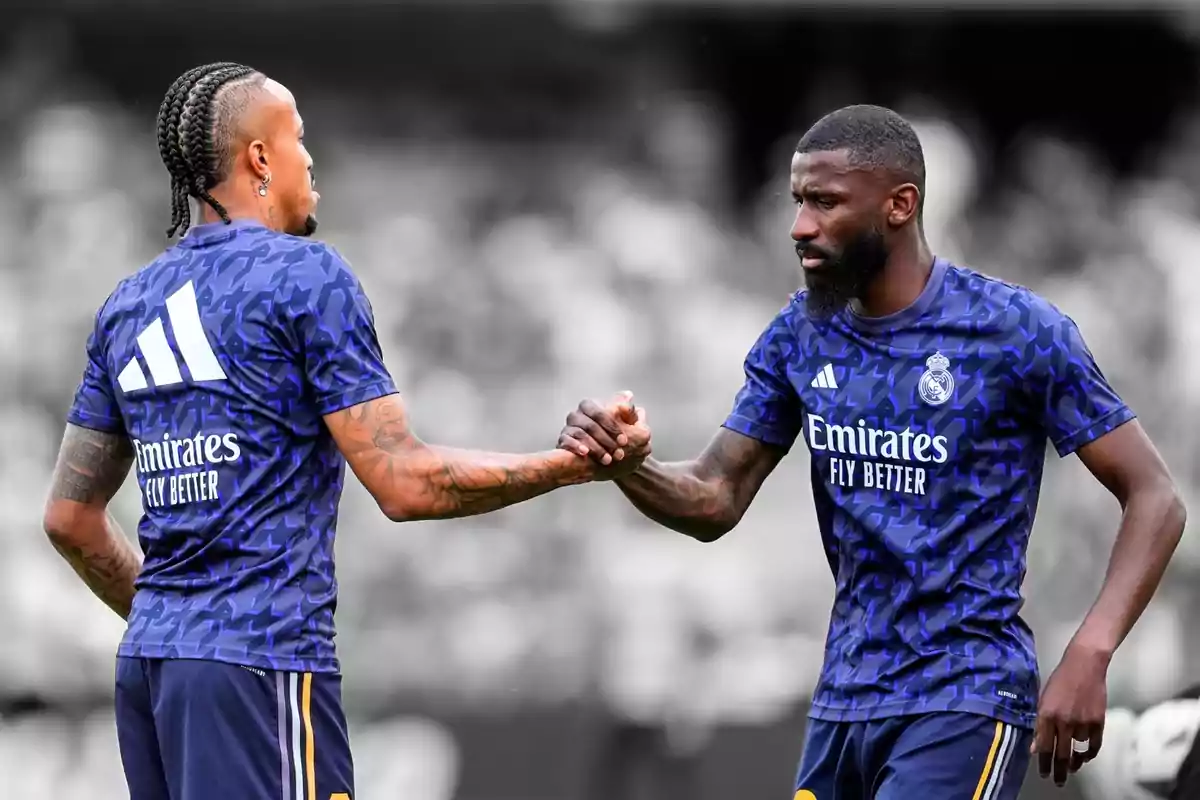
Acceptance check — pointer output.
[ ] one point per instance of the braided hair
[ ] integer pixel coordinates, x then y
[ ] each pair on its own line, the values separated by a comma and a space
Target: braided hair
185, 138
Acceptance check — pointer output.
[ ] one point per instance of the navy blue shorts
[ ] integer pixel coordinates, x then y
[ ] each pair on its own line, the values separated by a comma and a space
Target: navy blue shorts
198, 730
948, 756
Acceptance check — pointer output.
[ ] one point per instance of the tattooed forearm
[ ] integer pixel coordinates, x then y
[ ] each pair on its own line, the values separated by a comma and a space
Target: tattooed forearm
460, 483
91, 468
412, 480
108, 563
705, 498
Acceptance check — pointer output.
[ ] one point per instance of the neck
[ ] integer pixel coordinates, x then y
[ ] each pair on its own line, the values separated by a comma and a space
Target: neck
237, 205
901, 281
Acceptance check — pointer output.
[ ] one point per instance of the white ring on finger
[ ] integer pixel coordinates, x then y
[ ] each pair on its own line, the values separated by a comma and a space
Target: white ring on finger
1078, 746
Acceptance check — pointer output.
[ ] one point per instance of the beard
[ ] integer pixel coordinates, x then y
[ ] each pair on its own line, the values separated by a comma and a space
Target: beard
306, 228
845, 274
310, 221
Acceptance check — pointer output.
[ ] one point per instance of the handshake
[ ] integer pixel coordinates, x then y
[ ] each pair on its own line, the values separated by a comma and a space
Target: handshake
615, 436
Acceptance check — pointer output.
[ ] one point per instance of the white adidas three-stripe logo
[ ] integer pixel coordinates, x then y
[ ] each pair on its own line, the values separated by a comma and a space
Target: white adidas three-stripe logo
184, 315
825, 379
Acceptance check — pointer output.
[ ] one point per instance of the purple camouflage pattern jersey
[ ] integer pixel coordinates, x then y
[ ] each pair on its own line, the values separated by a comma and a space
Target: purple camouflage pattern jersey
219, 360
927, 431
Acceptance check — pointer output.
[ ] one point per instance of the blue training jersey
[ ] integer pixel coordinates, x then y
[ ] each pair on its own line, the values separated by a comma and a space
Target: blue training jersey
218, 360
927, 431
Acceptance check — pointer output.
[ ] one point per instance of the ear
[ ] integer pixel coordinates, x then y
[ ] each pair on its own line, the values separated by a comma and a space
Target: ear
256, 153
905, 203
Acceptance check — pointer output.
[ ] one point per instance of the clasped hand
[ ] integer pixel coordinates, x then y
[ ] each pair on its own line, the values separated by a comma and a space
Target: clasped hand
615, 436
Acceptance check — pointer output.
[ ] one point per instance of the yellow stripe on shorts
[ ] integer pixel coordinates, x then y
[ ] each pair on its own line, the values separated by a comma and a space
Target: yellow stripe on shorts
991, 760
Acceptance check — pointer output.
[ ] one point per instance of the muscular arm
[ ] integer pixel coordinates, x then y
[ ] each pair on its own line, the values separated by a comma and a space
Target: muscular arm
412, 480
707, 497
91, 467
1129, 466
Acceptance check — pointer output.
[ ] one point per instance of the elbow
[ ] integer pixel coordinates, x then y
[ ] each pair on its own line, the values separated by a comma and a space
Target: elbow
404, 515
716, 518
396, 515
707, 534
409, 487
1176, 511
400, 495
400, 510
407, 504
1164, 497
712, 528
60, 526
1174, 520
53, 531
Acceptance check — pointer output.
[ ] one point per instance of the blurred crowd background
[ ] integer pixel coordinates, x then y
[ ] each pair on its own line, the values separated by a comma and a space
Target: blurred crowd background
559, 200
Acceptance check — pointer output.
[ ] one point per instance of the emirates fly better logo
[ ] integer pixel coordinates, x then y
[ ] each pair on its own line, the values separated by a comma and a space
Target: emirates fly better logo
915, 448
177, 471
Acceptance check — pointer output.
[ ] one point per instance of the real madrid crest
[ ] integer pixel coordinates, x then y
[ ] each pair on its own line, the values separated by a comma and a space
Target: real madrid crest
937, 384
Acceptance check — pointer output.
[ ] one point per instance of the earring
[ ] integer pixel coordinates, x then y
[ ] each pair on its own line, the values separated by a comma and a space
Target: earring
262, 189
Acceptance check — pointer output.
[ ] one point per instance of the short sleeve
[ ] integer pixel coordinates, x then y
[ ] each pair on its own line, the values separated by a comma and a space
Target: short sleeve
1076, 402
335, 328
767, 408
95, 405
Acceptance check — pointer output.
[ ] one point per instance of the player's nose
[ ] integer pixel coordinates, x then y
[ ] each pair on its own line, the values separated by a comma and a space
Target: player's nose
804, 228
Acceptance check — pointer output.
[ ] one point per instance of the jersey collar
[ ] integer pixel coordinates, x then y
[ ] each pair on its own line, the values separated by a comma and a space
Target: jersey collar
910, 313
214, 232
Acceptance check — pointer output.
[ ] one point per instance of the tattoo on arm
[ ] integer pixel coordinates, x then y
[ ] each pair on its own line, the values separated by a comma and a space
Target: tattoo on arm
109, 568
413, 480
707, 497
91, 468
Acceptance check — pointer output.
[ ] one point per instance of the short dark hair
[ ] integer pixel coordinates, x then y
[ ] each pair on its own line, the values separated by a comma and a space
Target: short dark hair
875, 137
195, 134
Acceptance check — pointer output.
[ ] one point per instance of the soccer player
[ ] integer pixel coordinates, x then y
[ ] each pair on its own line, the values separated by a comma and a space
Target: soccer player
925, 392
240, 372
